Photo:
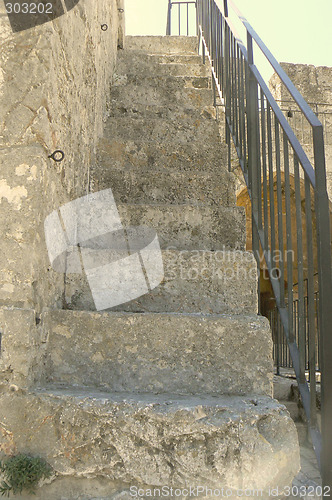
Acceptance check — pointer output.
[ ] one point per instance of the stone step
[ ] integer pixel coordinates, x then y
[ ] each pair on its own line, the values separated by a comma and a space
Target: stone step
186, 227
187, 116
162, 130
141, 64
293, 409
198, 281
158, 353
160, 186
283, 388
183, 59
135, 441
168, 82
181, 157
163, 45
176, 96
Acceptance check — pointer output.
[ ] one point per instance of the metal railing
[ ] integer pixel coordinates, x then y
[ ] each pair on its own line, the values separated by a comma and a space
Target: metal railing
180, 4
281, 354
290, 207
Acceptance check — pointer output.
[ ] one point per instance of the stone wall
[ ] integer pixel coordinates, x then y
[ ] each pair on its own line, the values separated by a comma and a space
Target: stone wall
54, 85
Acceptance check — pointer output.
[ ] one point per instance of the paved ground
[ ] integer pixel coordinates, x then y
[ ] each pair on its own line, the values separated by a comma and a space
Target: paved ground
307, 484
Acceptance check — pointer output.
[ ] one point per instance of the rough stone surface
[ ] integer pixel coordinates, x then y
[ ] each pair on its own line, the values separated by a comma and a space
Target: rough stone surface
162, 186
139, 64
186, 227
177, 353
194, 281
162, 44
183, 130
134, 97
21, 349
49, 99
184, 158
230, 442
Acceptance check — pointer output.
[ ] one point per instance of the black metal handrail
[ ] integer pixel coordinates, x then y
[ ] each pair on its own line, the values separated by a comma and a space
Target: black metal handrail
179, 3
290, 207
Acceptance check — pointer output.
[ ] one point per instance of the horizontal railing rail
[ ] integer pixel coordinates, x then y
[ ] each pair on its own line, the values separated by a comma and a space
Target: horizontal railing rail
289, 202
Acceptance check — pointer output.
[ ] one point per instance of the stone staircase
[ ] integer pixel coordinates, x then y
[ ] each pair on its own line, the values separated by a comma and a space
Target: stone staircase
173, 389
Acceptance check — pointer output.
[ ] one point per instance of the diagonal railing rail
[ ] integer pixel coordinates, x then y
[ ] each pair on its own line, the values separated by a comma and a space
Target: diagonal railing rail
289, 202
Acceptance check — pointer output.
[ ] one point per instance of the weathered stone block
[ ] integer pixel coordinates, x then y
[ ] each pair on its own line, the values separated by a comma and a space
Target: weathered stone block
162, 186
20, 349
179, 157
229, 442
132, 62
188, 227
163, 44
134, 96
194, 281
157, 353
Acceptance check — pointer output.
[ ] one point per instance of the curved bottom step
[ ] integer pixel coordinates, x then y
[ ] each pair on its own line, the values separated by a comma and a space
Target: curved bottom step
150, 441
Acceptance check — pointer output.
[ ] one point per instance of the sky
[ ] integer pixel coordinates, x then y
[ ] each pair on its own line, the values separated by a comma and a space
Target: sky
297, 31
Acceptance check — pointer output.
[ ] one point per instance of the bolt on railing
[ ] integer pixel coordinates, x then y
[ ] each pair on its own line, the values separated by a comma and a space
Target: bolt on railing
289, 202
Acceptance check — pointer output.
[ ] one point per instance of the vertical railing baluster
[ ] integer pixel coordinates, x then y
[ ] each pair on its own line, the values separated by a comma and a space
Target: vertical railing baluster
245, 136
241, 111
271, 186
227, 91
264, 169
300, 274
254, 153
169, 18
289, 243
236, 93
231, 46
259, 166
280, 217
311, 306
279, 362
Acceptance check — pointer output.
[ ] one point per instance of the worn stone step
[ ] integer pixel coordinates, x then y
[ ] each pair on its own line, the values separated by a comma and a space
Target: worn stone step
163, 45
293, 409
283, 388
179, 118
145, 186
162, 131
181, 157
169, 82
188, 227
135, 441
197, 281
176, 96
131, 62
158, 353
189, 116
128, 56
184, 59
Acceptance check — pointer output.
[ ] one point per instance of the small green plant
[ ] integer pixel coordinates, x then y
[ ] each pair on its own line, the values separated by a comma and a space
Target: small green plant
22, 472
